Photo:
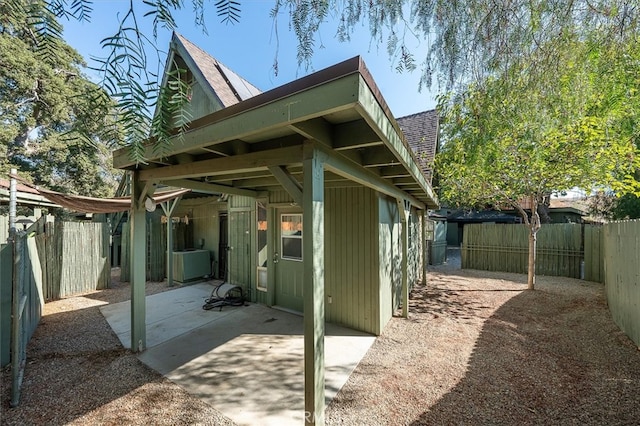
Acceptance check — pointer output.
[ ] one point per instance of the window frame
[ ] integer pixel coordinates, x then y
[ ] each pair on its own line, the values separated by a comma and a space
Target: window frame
296, 237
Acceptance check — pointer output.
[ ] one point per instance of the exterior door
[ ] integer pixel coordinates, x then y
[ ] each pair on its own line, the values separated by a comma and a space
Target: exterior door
223, 246
289, 272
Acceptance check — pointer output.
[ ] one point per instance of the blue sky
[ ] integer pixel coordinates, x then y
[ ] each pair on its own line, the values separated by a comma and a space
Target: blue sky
249, 48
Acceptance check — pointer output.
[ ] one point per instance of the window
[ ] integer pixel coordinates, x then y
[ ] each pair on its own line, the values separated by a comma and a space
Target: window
291, 236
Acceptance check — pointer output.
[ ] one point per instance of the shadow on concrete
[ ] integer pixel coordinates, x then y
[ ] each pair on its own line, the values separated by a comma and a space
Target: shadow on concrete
245, 361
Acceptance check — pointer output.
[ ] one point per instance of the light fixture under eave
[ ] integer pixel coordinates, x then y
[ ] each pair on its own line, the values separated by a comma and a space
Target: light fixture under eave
149, 204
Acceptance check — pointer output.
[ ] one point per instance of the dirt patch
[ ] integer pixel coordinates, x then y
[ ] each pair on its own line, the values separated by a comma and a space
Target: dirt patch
477, 349
480, 349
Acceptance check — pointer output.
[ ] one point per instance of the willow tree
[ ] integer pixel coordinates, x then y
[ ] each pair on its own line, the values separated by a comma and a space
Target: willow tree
459, 41
541, 126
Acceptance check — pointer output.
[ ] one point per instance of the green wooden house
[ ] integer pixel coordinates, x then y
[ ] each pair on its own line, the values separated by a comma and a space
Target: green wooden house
312, 186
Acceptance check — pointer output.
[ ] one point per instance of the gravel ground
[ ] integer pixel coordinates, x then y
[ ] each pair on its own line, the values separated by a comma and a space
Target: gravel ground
477, 349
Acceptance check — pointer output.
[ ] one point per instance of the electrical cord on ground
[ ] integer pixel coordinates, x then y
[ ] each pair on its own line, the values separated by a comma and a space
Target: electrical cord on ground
224, 295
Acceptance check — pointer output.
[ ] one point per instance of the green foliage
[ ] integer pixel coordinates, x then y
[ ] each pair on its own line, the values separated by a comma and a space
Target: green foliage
540, 127
57, 125
466, 40
627, 207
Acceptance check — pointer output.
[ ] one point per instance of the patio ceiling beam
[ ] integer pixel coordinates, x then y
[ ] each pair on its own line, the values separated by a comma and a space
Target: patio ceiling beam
230, 177
379, 156
236, 163
354, 134
261, 182
245, 120
209, 188
288, 182
317, 129
393, 172
340, 165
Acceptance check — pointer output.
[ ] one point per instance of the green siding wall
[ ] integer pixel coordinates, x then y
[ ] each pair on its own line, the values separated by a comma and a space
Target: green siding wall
351, 261
200, 104
280, 197
204, 217
389, 248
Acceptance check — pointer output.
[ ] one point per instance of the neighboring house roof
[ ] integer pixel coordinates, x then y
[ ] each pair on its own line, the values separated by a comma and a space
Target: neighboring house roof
25, 195
573, 205
421, 132
228, 87
473, 216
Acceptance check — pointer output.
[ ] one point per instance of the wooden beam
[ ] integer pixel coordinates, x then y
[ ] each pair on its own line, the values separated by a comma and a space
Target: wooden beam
379, 156
327, 98
288, 183
404, 220
317, 129
230, 177
394, 172
138, 254
236, 163
339, 165
354, 134
313, 290
209, 188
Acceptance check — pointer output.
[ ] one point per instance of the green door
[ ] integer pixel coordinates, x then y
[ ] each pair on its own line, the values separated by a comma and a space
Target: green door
288, 255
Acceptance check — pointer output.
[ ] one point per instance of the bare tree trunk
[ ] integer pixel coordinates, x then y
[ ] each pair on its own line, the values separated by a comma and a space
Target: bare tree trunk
531, 276
534, 226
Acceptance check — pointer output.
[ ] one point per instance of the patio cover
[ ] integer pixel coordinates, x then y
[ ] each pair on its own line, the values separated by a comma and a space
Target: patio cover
84, 204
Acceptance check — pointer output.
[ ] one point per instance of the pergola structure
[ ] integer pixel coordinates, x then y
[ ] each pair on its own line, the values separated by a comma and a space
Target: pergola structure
329, 129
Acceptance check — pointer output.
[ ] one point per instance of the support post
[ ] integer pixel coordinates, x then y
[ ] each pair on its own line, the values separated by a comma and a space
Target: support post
404, 235
425, 254
168, 207
138, 262
13, 202
313, 292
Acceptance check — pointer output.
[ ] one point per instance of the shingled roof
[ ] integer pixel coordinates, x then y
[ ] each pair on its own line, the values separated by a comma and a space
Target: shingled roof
421, 132
228, 86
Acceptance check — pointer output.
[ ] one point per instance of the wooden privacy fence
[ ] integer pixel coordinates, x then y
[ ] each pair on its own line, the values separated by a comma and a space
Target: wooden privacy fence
75, 258
622, 275
505, 247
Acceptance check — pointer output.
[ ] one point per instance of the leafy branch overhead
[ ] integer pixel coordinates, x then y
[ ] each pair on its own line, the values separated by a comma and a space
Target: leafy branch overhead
451, 42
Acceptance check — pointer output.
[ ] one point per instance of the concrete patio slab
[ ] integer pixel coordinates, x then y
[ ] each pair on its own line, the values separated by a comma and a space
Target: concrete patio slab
247, 362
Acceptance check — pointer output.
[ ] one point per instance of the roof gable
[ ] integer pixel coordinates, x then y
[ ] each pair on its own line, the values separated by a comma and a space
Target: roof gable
218, 81
421, 132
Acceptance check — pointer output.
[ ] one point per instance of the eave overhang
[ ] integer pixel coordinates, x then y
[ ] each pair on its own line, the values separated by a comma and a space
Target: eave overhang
338, 110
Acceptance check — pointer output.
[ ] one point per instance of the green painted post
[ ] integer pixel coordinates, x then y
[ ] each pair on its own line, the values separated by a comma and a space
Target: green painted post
137, 265
405, 254
425, 254
313, 291
168, 207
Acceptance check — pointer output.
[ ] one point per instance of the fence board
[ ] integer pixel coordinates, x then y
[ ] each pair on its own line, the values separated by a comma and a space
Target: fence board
504, 247
593, 253
621, 244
